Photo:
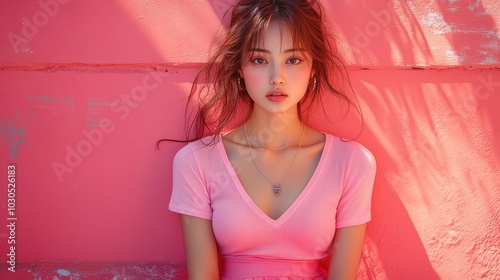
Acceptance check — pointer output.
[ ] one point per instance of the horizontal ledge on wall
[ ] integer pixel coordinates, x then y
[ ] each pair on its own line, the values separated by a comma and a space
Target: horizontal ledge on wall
166, 67
428, 67
66, 269
86, 67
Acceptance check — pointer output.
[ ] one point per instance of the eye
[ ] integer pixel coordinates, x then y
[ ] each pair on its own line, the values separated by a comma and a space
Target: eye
294, 61
258, 61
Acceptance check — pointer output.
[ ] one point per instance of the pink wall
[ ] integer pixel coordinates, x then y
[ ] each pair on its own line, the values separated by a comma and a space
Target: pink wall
87, 87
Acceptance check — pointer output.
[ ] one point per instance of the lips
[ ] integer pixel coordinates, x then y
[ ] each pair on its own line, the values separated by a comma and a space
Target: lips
276, 95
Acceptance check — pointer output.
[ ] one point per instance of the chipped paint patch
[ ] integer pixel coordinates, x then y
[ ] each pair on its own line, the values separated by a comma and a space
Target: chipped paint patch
13, 135
63, 272
57, 105
59, 112
106, 270
98, 110
54, 100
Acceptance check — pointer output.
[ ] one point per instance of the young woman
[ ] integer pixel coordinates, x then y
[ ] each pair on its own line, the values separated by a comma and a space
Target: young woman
272, 198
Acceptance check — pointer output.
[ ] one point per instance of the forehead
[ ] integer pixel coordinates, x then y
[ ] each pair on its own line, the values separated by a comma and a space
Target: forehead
276, 36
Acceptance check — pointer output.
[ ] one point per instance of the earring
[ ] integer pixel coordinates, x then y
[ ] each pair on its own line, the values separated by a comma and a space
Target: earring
239, 85
314, 84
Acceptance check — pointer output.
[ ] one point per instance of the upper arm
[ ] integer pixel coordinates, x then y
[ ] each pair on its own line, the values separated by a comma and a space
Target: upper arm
354, 206
200, 248
353, 212
346, 252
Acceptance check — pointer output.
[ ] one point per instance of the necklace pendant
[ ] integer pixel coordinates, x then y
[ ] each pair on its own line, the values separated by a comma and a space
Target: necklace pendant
277, 189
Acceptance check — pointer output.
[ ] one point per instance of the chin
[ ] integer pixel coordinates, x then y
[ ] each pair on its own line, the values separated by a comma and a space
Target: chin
280, 109
275, 108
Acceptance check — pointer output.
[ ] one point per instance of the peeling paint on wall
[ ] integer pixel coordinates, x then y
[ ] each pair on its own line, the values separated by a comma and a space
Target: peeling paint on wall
52, 100
98, 110
63, 272
58, 111
89, 270
13, 135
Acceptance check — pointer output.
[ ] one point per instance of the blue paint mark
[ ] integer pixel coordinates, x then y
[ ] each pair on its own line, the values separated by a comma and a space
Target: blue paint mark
101, 103
95, 111
50, 99
14, 137
63, 272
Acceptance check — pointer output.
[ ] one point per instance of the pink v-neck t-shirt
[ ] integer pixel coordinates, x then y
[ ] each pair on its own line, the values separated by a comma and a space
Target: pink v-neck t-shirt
251, 244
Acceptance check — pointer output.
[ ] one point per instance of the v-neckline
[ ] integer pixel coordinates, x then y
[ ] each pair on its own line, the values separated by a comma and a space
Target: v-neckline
295, 204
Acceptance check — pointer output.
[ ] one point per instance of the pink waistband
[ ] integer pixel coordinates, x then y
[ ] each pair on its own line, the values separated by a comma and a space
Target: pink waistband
246, 267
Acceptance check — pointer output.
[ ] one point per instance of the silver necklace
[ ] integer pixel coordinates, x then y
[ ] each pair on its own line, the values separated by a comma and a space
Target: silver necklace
275, 149
276, 186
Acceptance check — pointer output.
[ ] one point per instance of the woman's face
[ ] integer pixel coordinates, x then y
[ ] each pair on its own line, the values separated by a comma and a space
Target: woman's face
277, 75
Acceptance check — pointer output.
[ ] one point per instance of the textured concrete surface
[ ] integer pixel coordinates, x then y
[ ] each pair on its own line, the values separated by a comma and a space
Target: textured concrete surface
87, 87
90, 271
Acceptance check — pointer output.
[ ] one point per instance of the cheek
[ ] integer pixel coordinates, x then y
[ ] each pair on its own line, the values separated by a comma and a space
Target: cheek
253, 77
300, 77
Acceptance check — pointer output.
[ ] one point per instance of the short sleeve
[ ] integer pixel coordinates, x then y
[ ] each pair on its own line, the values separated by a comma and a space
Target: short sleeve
355, 203
190, 195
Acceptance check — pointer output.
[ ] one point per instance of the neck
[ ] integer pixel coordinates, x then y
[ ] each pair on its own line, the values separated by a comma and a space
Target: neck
274, 129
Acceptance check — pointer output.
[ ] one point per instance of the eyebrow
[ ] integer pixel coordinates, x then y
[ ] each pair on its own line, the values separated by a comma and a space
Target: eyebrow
267, 51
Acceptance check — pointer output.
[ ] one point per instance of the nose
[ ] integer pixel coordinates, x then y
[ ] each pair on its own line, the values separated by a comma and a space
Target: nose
277, 75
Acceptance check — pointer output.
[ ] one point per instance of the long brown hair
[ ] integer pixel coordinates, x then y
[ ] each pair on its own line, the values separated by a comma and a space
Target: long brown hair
215, 87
